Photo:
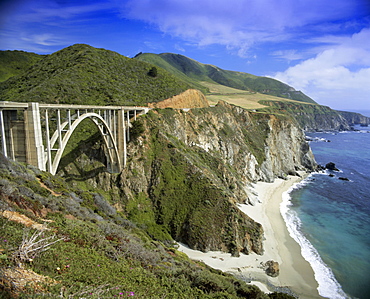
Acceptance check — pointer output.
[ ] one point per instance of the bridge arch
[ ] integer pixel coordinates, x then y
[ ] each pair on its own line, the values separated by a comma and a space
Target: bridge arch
105, 131
25, 133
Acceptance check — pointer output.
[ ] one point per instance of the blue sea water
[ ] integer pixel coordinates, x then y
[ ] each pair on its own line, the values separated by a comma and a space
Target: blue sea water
330, 218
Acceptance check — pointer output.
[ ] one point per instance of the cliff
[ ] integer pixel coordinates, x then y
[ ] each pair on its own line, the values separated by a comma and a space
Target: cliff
355, 118
310, 117
187, 171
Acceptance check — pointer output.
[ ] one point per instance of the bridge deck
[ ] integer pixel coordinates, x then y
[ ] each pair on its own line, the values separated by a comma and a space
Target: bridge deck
18, 105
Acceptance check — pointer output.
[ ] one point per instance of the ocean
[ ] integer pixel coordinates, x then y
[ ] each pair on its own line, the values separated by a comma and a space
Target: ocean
330, 218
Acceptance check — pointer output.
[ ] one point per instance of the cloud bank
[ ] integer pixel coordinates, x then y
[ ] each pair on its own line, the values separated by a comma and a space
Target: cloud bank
339, 76
237, 24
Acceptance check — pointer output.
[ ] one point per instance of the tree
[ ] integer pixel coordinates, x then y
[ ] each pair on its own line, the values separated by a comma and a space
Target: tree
153, 72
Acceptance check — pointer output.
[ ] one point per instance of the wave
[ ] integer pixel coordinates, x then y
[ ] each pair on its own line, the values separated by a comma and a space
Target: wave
328, 285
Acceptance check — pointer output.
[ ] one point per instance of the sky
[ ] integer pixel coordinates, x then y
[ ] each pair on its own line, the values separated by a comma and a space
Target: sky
321, 47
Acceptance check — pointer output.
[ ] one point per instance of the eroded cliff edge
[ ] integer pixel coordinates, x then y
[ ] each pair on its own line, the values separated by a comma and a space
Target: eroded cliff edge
187, 170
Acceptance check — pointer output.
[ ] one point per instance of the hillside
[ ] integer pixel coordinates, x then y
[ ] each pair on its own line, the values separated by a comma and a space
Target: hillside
59, 241
13, 63
197, 72
186, 174
81, 74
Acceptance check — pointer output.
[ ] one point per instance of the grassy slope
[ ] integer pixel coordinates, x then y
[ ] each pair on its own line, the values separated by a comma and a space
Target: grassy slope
204, 72
103, 254
241, 98
81, 74
13, 63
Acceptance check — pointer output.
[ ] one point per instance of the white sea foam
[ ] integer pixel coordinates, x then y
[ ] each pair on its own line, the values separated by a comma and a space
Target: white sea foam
328, 285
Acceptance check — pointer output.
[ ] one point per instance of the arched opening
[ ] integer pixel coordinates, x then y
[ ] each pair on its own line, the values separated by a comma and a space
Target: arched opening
83, 125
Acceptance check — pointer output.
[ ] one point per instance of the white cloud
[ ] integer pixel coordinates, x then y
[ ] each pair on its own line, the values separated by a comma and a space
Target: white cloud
289, 55
179, 48
339, 76
52, 10
237, 24
44, 39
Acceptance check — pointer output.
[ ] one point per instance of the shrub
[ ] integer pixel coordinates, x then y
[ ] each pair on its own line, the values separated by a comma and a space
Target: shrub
153, 72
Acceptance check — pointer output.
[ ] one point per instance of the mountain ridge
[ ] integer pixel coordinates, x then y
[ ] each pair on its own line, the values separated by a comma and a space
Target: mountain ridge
84, 74
176, 63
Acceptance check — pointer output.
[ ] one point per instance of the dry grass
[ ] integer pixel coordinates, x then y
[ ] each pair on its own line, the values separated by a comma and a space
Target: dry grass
241, 98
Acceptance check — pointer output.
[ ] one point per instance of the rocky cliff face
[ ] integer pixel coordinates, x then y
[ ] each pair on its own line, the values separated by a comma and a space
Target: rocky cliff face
355, 118
187, 170
311, 117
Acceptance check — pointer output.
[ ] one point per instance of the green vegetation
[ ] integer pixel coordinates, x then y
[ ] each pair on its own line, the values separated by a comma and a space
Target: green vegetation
117, 230
81, 74
14, 63
89, 253
195, 73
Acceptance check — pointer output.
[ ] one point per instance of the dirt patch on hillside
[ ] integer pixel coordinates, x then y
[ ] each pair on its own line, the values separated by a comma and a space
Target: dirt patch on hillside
190, 98
20, 218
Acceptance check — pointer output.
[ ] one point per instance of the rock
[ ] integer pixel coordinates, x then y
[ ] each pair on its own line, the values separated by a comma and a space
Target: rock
331, 175
272, 268
343, 179
331, 166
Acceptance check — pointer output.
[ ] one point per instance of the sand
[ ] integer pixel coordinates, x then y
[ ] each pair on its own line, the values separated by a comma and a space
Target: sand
295, 272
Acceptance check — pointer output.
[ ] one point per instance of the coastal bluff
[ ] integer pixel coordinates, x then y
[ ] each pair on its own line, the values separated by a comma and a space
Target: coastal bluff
188, 170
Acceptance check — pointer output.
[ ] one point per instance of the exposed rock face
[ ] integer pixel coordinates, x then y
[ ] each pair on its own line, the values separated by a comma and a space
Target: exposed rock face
188, 170
355, 118
312, 117
190, 98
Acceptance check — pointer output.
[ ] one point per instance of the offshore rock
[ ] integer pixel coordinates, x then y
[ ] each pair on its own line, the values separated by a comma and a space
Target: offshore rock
331, 166
343, 178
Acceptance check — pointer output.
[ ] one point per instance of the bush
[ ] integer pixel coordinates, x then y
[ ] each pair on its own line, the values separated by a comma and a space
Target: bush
153, 72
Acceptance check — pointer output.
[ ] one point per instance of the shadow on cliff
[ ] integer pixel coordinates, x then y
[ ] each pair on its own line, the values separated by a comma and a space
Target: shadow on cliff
85, 161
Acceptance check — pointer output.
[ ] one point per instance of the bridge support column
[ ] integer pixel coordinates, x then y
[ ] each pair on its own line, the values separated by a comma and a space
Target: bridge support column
121, 138
3, 136
35, 147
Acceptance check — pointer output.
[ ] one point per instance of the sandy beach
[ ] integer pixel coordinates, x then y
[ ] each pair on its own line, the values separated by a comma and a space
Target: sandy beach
295, 272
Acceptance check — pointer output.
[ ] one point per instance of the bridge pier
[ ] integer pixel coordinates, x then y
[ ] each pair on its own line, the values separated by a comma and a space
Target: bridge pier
35, 149
38, 139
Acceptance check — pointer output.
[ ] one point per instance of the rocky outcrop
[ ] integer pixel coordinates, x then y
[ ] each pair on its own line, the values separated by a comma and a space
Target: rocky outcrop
196, 165
355, 118
272, 268
188, 170
331, 166
190, 98
311, 117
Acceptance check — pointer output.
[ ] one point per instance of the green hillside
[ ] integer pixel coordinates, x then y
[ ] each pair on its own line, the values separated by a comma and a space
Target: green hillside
13, 63
198, 72
81, 74
89, 249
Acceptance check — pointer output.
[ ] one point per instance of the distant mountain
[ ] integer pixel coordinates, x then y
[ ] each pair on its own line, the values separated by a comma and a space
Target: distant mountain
81, 74
195, 73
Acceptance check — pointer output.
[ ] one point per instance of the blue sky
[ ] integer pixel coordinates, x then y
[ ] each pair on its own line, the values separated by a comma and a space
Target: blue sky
319, 47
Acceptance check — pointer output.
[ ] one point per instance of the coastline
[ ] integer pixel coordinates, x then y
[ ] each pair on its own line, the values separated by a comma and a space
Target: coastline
295, 272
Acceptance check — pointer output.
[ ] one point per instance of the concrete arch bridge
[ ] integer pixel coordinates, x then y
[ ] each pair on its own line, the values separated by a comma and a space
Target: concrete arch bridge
37, 134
